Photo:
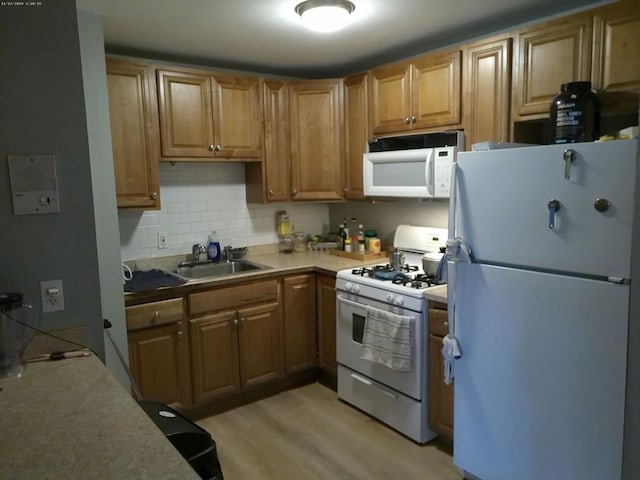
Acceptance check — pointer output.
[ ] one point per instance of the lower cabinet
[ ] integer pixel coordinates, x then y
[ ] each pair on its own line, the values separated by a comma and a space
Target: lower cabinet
299, 305
159, 351
239, 346
440, 395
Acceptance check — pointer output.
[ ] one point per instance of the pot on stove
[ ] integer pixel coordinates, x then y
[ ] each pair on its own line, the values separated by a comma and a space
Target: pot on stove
396, 258
430, 262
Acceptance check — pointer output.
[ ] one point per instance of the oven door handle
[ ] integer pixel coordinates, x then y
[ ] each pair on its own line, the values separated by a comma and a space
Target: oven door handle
369, 383
351, 302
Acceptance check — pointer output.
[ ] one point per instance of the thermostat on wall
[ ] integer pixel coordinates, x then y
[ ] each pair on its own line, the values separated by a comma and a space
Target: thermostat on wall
34, 186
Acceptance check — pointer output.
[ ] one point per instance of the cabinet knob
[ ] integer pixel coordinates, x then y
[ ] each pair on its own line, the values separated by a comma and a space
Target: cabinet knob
242, 319
294, 191
346, 190
212, 148
218, 148
154, 195
446, 323
179, 333
156, 315
407, 120
413, 119
235, 321
270, 191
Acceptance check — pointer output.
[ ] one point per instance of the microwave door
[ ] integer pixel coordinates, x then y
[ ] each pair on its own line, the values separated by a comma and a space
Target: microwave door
398, 173
429, 173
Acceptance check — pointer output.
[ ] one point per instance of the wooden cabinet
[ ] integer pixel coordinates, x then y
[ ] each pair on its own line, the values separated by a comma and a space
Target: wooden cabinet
326, 315
440, 395
207, 116
236, 338
159, 351
356, 133
315, 124
133, 116
416, 95
486, 82
270, 180
299, 306
616, 47
546, 56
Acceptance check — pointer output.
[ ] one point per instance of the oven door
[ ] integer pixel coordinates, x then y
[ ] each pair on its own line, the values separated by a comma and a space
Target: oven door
351, 312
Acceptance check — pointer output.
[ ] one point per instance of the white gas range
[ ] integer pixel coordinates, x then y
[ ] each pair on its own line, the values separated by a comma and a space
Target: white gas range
395, 396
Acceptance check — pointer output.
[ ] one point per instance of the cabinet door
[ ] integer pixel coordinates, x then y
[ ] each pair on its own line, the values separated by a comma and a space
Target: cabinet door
275, 179
326, 293
237, 119
133, 117
435, 90
159, 363
356, 133
547, 56
261, 352
616, 47
299, 298
390, 99
186, 116
316, 139
487, 91
214, 355
440, 395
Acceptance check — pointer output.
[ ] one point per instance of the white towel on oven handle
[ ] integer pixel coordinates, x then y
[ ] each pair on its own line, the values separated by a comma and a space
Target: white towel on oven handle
388, 339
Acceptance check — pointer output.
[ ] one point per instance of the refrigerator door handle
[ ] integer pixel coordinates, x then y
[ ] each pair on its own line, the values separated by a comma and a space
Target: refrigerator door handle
553, 206
568, 156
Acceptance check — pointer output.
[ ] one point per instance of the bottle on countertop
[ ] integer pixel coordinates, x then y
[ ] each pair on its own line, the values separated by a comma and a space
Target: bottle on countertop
353, 232
372, 242
213, 247
341, 237
361, 243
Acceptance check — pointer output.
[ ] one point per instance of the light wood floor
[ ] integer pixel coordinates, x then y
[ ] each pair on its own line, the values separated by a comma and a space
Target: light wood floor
308, 434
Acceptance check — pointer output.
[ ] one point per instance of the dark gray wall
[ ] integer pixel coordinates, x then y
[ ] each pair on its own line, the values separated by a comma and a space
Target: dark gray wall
42, 112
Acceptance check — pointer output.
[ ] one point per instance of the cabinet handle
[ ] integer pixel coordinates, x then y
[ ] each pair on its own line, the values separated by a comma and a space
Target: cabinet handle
413, 119
212, 148
154, 195
407, 120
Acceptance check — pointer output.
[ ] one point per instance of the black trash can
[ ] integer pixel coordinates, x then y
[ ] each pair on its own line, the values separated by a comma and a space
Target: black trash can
194, 443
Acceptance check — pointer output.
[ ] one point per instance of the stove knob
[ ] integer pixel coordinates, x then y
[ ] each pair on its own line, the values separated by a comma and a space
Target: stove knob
355, 288
399, 300
348, 286
389, 298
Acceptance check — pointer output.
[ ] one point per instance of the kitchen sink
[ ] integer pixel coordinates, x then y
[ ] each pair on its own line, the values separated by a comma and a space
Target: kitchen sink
193, 270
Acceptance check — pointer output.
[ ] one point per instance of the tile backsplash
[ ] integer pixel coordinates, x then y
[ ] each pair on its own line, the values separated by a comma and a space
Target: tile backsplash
197, 198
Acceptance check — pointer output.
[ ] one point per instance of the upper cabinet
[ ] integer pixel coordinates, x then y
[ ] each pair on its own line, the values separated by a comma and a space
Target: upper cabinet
206, 116
133, 114
546, 56
422, 94
616, 47
315, 128
356, 133
486, 89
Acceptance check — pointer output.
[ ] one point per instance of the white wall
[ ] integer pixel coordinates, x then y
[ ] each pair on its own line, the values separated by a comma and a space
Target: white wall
199, 197
103, 186
42, 112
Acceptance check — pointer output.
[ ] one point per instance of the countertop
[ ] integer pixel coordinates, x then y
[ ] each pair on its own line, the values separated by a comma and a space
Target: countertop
71, 419
278, 264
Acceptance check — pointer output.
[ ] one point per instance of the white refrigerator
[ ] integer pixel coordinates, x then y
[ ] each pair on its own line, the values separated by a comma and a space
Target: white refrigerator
541, 312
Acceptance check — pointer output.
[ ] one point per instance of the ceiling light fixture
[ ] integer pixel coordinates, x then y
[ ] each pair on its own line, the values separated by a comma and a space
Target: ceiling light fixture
325, 15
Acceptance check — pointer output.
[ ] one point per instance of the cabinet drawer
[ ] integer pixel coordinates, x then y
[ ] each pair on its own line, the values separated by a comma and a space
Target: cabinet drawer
232, 297
438, 322
155, 313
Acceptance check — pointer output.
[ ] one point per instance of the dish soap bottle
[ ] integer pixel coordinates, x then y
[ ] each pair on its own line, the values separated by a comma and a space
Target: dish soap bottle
213, 247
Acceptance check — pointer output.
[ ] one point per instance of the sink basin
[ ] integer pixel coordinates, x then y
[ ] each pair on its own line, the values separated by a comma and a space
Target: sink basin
201, 270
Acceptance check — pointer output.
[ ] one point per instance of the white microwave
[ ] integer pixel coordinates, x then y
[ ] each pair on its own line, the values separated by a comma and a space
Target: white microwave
417, 166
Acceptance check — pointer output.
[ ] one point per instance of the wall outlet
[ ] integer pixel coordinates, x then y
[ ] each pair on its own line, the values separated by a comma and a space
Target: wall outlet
162, 240
52, 296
